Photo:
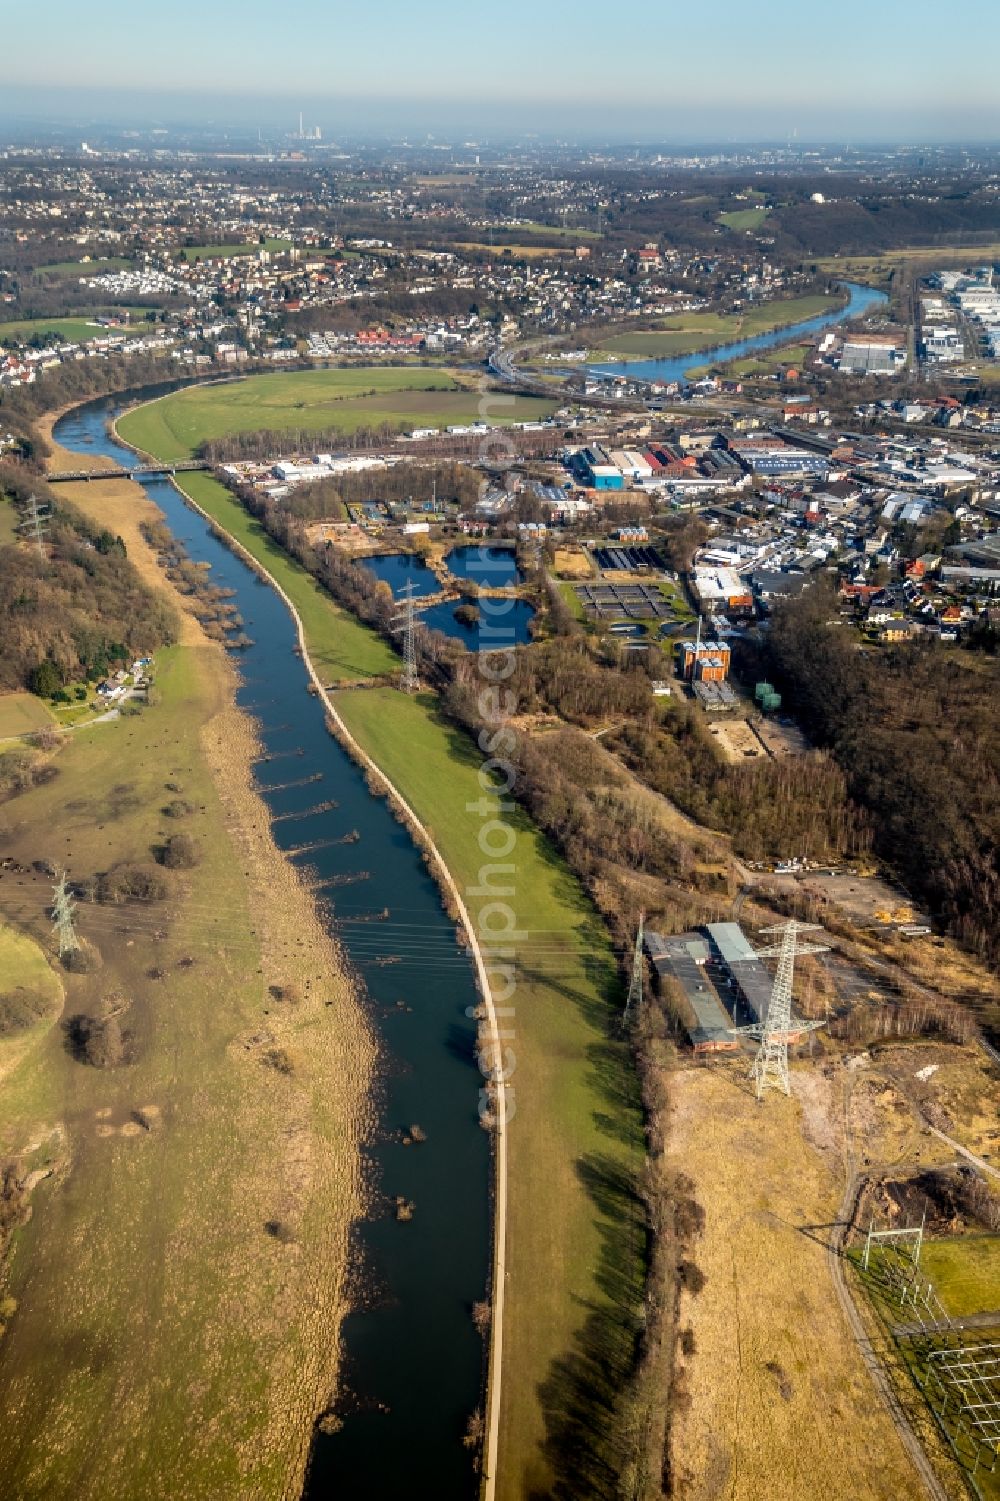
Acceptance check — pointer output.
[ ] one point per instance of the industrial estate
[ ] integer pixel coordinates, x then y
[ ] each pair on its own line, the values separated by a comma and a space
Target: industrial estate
499, 818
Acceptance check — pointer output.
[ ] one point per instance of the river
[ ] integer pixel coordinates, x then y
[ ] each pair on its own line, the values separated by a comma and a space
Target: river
413, 1363
861, 300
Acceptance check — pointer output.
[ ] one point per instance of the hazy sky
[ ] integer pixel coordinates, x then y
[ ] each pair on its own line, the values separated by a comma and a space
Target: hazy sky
676, 69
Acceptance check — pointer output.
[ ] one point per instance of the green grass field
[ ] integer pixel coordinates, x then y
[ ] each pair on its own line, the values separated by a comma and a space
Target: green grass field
69, 269
311, 401
576, 1136
226, 252
74, 330
689, 333
21, 713
744, 218
965, 1271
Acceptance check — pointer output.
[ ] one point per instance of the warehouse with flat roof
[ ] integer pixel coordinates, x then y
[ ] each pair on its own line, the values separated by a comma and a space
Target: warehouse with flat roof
684, 957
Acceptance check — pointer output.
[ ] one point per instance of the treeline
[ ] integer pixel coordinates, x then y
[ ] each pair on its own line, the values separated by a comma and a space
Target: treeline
77, 609
401, 482
917, 734
798, 805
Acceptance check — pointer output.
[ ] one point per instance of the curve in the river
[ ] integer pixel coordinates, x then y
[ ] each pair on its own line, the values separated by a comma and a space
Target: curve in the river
413, 1362
861, 299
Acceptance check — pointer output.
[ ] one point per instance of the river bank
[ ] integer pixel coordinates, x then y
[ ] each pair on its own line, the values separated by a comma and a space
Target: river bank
237, 1145
414, 1302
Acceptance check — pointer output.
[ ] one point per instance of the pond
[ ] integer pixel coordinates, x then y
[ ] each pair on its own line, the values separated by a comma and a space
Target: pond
493, 567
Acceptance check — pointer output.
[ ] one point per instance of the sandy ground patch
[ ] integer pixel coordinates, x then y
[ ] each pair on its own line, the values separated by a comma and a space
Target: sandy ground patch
779, 1404
572, 563
736, 740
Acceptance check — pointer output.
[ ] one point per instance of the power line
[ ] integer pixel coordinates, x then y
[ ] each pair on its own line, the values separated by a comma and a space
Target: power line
63, 908
634, 997
770, 1066
36, 522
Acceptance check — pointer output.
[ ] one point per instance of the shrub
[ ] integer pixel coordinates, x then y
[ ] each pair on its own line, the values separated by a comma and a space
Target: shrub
97, 1040
132, 883
84, 960
181, 852
20, 1009
178, 808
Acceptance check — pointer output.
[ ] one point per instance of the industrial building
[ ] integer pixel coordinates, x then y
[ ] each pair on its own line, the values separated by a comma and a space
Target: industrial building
721, 589
684, 958
751, 982
594, 469
702, 661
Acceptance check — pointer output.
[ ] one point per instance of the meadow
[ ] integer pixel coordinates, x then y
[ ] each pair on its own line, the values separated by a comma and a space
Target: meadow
227, 252
74, 330
744, 218
21, 713
301, 402
689, 333
146, 1284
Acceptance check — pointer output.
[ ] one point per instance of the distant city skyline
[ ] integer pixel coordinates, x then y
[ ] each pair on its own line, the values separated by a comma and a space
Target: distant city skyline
653, 70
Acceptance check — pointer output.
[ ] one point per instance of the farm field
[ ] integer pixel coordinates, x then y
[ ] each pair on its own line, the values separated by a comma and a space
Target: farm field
312, 401
21, 713
574, 1244
146, 1284
690, 333
780, 1404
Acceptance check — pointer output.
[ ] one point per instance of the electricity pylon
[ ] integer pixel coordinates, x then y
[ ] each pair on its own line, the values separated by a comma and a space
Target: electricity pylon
770, 1067
634, 997
63, 908
35, 523
408, 681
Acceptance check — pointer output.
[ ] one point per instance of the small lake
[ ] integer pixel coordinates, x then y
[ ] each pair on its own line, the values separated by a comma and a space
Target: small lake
397, 569
502, 622
861, 300
493, 567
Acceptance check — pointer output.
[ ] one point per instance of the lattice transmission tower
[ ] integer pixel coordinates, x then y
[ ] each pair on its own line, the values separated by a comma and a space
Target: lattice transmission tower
407, 624
63, 908
770, 1066
634, 997
35, 523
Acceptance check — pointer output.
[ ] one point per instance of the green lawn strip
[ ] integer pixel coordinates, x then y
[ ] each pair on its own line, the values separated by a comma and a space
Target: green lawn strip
21, 713
965, 1271
572, 599
573, 1245
308, 401
342, 649
134, 1275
